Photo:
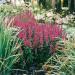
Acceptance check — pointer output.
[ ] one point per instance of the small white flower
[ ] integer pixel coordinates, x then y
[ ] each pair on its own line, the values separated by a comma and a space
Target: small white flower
65, 20
49, 14
39, 16
59, 21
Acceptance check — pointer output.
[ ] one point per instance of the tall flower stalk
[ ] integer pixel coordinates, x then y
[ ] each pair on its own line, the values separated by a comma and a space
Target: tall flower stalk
36, 34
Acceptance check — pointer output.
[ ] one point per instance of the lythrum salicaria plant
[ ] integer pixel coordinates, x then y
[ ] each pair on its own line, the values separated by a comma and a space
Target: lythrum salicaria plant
33, 33
40, 37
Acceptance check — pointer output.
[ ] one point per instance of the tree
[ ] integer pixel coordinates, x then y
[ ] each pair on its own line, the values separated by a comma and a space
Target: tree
53, 3
45, 4
71, 5
74, 5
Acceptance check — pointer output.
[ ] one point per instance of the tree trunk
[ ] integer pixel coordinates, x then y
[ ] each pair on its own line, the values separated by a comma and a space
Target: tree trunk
71, 5
74, 5
53, 3
58, 5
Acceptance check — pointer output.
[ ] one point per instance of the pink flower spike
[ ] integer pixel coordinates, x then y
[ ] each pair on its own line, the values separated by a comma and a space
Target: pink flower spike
27, 43
21, 35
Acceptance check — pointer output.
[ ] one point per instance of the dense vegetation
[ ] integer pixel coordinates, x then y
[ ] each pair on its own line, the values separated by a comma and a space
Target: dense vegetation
37, 39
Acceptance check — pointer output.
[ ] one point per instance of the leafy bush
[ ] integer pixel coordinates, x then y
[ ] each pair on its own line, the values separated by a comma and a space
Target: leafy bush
39, 39
9, 9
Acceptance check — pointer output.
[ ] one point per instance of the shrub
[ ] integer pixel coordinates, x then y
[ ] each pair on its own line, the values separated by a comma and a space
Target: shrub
41, 38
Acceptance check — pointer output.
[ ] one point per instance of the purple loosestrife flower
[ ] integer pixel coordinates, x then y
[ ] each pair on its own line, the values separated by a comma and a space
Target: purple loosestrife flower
37, 33
27, 43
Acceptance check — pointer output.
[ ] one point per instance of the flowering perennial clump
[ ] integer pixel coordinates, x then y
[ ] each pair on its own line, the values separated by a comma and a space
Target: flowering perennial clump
36, 34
